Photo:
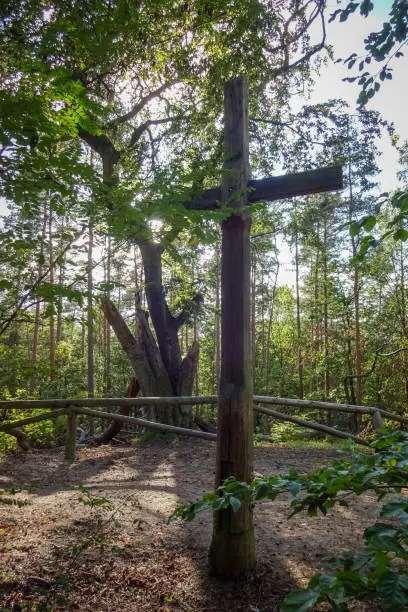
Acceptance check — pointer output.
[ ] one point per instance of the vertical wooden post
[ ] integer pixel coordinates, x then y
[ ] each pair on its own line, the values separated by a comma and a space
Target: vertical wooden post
377, 420
70, 437
232, 548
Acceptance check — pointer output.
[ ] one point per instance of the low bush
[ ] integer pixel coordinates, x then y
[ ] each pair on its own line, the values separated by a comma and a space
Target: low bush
379, 572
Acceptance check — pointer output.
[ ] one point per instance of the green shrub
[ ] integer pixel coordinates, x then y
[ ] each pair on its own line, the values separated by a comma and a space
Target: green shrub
378, 573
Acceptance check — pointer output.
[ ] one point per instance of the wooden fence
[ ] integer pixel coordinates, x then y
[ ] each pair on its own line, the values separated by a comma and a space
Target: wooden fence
73, 407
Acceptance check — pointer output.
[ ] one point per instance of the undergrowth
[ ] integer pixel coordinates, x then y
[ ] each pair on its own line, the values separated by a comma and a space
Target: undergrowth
379, 572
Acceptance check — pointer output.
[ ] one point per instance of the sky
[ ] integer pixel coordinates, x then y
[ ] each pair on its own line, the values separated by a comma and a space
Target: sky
391, 100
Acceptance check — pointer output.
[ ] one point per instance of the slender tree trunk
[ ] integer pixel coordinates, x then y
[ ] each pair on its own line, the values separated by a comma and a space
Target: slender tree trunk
196, 379
136, 285
217, 323
90, 319
36, 331
316, 341
358, 352
90, 323
269, 333
349, 386
53, 372
253, 317
61, 272
326, 320
356, 295
403, 313
108, 343
298, 323
263, 329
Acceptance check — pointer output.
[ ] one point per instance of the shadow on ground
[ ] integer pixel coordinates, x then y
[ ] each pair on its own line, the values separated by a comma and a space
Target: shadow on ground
144, 564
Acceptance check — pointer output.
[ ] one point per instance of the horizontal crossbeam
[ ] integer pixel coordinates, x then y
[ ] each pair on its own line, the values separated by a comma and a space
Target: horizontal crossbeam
277, 188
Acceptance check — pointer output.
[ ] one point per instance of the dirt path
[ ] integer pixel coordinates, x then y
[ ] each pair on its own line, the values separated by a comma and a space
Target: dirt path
138, 562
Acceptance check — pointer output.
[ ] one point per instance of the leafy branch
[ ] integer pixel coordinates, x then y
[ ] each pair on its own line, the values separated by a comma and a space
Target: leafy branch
380, 571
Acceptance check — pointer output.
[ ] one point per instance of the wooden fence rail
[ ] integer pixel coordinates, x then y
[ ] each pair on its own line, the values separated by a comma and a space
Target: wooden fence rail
310, 425
316, 404
195, 400
188, 400
73, 407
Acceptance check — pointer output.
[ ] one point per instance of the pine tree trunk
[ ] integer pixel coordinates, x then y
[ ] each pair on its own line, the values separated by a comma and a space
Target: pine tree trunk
403, 313
316, 340
253, 318
108, 376
358, 358
269, 332
61, 272
34, 354
53, 372
217, 328
326, 322
90, 324
298, 323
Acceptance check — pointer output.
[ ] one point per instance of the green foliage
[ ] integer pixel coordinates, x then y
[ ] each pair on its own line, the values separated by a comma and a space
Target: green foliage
380, 571
283, 431
89, 499
381, 46
394, 228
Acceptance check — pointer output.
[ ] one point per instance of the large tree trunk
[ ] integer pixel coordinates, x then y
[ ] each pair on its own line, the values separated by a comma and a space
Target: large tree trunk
114, 427
158, 367
149, 367
165, 325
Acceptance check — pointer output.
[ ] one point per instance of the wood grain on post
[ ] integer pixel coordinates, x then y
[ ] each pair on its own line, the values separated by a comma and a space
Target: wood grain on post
70, 437
232, 549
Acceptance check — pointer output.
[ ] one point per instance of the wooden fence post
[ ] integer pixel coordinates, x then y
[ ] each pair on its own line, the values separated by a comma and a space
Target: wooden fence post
377, 420
70, 437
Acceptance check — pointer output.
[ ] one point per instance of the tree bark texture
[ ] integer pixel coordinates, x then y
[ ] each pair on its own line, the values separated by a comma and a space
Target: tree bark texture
114, 427
36, 331
149, 367
298, 323
53, 372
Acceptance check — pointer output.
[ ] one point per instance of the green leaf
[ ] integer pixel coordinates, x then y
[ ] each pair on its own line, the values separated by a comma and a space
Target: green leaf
294, 487
369, 223
383, 536
235, 503
404, 204
300, 601
396, 509
401, 234
393, 588
5, 284
354, 228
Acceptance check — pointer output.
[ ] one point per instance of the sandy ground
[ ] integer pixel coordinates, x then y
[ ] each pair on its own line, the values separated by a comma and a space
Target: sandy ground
53, 556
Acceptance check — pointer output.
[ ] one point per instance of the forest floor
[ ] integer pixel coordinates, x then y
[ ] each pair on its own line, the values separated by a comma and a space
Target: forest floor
54, 555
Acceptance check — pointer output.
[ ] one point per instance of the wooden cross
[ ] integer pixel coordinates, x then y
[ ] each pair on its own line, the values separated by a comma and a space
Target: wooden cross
232, 549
